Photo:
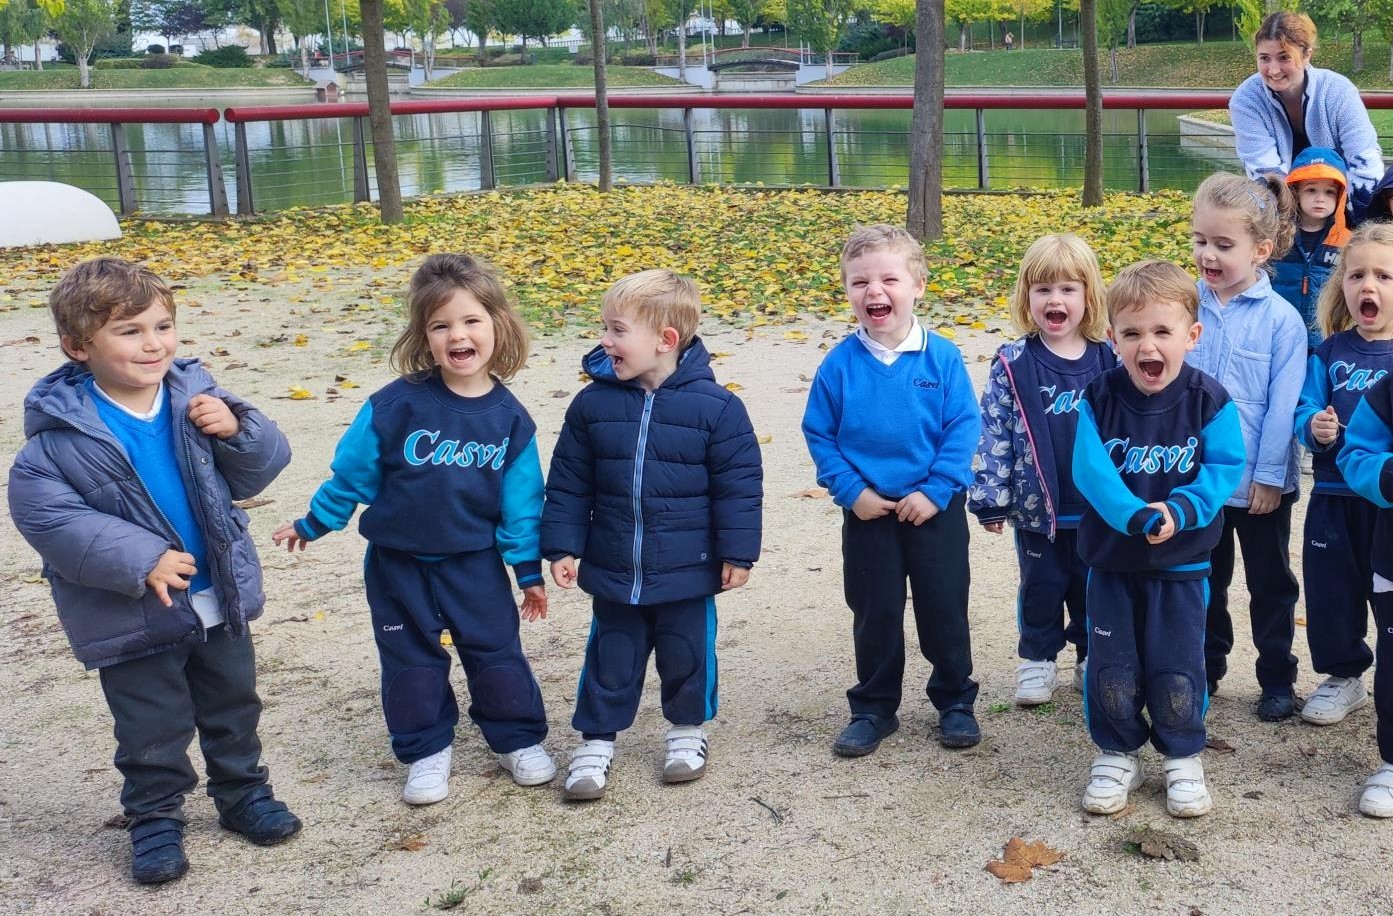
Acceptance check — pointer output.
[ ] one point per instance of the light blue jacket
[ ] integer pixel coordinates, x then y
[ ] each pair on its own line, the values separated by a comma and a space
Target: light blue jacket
1256, 348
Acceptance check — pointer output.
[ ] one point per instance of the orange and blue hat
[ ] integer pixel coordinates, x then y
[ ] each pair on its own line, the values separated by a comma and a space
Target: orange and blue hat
1316, 163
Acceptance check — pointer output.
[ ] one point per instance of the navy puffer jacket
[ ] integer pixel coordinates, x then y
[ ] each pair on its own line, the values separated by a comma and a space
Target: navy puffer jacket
78, 501
653, 491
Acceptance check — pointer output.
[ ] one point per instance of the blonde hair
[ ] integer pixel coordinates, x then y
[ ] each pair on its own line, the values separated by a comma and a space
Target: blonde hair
1332, 312
885, 237
1055, 259
1149, 282
433, 284
1293, 31
1265, 205
660, 299
100, 289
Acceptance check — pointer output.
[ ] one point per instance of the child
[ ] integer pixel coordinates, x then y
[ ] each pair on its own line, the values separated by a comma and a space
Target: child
1381, 203
1340, 526
1255, 346
1317, 179
1158, 450
125, 488
656, 488
891, 424
447, 444
1023, 468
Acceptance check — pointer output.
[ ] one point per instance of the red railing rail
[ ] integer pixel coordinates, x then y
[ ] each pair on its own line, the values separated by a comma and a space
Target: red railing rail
109, 116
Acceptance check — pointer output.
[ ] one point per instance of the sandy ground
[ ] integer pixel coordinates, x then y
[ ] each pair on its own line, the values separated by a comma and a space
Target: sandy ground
779, 825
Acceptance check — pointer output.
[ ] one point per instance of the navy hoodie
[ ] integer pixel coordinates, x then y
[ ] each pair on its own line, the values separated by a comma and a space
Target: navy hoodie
1343, 368
1366, 460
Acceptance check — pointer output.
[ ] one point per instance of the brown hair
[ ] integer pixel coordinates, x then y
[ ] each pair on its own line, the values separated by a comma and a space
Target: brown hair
1149, 282
438, 278
1295, 32
660, 299
1055, 259
880, 236
1332, 312
101, 289
1265, 205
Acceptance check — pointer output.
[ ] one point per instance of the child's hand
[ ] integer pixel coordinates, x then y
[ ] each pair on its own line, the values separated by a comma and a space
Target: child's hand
995, 527
174, 570
1263, 498
287, 535
534, 603
1325, 426
563, 572
213, 417
870, 505
733, 576
1167, 529
916, 508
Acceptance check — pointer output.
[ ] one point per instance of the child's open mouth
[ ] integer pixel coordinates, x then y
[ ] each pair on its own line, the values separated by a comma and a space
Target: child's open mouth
1212, 275
461, 354
1368, 309
1151, 370
878, 311
1056, 318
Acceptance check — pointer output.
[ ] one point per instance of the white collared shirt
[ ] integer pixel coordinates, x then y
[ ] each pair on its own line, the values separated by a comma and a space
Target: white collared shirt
147, 416
913, 342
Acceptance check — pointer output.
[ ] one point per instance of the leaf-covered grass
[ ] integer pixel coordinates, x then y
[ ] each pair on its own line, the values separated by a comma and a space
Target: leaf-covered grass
759, 256
1213, 65
549, 76
174, 78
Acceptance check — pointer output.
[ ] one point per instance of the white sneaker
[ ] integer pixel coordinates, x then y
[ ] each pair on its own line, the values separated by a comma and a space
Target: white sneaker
1335, 699
1035, 682
1080, 669
589, 770
429, 779
686, 754
1377, 798
530, 766
1110, 780
1186, 794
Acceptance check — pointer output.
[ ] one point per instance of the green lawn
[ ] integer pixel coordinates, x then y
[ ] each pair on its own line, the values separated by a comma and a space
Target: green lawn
175, 78
549, 76
1213, 65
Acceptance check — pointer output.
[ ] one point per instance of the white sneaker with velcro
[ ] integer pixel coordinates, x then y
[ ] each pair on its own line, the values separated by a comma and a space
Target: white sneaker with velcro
686, 754
1036, 682
588, 774
1377, 798
1334, 699
428, 780
1111, 779
1186, 793
530, 766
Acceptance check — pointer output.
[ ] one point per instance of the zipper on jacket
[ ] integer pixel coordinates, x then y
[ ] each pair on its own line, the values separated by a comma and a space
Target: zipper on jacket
194, 499
637, 496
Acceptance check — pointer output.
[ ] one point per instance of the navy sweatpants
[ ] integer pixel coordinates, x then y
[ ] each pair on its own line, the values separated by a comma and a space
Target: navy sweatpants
1339, 582
1272, 590
413, 601
1053, 577
1383, 673
1145, 650
877, 557
682, 636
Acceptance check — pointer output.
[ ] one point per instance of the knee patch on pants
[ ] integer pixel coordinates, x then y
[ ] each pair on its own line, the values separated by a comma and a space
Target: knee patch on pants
1119, 692
677, 657
1174, 699
503, 690
411, 700
616, 658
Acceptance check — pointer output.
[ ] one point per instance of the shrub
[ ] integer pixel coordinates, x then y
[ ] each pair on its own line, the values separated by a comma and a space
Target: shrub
230, 57
155, 49
176, 50
119, 63
891, 54
633, 57
158, 62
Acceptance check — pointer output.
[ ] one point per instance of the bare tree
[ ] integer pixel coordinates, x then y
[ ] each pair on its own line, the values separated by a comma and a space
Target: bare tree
925, 218
384, 149
598, 47
1093, 107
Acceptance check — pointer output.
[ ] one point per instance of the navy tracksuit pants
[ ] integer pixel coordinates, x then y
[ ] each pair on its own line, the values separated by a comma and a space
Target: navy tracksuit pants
1383, 673
1145, 650
1272, 591
1336, 560
1053, 577
877, 557
413, 601
682, 636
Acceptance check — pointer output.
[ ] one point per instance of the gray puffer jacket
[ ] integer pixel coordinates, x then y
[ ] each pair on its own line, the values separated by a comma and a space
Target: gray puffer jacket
77, 500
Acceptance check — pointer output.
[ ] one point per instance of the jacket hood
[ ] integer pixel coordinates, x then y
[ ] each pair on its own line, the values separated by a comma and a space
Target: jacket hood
1379, 206
62, 394
1318, 162
692, 366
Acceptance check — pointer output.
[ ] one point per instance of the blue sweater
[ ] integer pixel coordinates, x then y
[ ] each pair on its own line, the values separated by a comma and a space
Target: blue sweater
1343, 368
440, 474
1366, 460
1181, 446
910, 426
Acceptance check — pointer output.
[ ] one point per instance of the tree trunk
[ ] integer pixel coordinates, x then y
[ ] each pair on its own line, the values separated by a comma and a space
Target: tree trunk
682, 51
1132, 28
745, 42
1113, 73
1093, 106
39, 61
1358, 51
597, 48
1199, 27
963, 28
84, 69
925, 217
384, 149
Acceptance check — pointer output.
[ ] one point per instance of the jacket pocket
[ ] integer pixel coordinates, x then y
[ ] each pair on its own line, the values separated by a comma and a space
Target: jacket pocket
92, 615
1248, 376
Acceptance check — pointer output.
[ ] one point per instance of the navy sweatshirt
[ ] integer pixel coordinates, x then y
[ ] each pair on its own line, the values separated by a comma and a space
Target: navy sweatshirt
1366, 461
1182, 446
440, 474
1343, 368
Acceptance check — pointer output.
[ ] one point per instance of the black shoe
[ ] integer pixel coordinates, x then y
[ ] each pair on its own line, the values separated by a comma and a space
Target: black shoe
1213, 687
263, 820
863, 735
1274, 706
157, 851
958, 728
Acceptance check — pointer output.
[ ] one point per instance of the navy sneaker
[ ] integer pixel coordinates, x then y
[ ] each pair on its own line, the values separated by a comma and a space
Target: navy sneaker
157, 851
263, 820
863, 735
1276, 705
958, 728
